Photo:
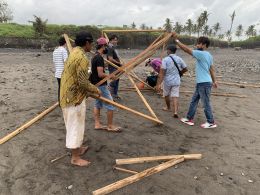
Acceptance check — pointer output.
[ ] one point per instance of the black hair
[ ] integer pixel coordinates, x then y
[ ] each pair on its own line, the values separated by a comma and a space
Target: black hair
82, 38
61, 41
113, 37
172, 48
99, 46
204, 41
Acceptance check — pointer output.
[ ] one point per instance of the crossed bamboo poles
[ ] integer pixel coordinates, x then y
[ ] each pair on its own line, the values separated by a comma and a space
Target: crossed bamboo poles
125, 69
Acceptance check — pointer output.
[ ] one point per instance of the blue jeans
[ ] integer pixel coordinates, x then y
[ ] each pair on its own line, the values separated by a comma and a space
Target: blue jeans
202, 92
114, 85
106, 94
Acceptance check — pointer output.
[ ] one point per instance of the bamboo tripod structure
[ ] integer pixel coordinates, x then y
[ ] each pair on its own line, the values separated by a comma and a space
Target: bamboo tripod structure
127, 68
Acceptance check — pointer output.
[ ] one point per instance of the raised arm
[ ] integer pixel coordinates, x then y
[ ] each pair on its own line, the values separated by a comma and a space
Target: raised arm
185, 48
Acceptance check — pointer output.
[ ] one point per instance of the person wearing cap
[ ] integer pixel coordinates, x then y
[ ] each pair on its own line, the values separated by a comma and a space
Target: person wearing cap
112, 56
205, 79
170, 74
60, 55
97, 74
75, 88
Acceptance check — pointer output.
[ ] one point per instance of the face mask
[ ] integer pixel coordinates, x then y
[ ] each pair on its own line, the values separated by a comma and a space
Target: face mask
201, 49
105, 50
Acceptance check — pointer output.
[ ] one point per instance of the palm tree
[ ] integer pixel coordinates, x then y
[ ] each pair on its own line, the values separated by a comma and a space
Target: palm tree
204, 17
168, 26
239, 31
178, 27
39, 26
206, 30
230, 30
143, 26
189, 26
251, 31
133, 25
228, 35
216, 28
199, 25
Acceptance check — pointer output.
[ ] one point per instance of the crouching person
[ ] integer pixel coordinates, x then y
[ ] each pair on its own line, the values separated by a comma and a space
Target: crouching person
75, 88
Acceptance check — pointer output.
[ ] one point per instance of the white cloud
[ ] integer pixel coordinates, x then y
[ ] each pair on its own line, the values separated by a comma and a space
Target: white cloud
151, 12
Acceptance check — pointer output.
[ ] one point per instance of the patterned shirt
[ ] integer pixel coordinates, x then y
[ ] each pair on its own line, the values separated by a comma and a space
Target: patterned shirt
75, 84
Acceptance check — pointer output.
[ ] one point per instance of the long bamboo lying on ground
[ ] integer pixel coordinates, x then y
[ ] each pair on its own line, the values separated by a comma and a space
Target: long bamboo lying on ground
28, 124
134, 178
128, 161
239, 84
125, 170
220, 94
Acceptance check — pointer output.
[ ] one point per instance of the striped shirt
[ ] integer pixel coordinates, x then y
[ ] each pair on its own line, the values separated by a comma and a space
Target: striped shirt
60, 55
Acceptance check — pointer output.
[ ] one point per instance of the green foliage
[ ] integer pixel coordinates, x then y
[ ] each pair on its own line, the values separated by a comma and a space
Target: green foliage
16, 30
250, 43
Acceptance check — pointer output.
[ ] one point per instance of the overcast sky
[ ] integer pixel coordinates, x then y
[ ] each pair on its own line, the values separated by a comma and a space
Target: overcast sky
150, 12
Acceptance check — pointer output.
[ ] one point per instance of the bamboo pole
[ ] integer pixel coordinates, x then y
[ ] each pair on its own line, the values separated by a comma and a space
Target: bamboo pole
125, 170
239, 84
28, 124
60, 157
128, 161
142, 97
220, 94
68, 42
140, 80
134, 178
122, 31
127, 109
163, 49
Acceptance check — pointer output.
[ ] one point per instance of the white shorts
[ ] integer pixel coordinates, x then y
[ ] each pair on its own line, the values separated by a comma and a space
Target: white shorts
172, 91
74, 118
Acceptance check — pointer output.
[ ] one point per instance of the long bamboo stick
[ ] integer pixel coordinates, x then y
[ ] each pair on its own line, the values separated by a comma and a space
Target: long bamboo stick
121, 31
125, 170
127, 109
134, 178
239, 84
142, 97
28, 124
67, 39
128, 161
220, 94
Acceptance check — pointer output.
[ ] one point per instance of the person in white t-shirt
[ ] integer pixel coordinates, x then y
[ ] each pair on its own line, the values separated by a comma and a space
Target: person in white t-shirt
60, 55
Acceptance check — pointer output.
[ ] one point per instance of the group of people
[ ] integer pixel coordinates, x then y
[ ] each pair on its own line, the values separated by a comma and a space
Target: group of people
76, 84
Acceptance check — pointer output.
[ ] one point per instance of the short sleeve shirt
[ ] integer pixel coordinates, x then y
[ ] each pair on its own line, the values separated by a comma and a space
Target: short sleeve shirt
203, 62
172, 76
97, 61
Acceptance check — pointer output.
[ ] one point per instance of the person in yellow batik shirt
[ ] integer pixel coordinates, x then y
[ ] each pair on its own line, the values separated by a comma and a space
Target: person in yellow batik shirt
75, 88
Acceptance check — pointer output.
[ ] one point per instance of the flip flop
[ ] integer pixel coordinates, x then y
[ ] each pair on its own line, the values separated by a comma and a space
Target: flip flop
116, 129
101, 128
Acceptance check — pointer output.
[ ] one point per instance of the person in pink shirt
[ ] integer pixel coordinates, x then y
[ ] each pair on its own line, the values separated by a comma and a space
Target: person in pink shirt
154, 63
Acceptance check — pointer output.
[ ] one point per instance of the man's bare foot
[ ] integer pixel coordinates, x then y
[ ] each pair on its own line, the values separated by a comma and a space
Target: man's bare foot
166, 109
83, 150
80, 162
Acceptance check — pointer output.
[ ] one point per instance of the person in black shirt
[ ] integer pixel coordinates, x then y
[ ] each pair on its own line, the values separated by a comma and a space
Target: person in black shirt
113, 57
98, 73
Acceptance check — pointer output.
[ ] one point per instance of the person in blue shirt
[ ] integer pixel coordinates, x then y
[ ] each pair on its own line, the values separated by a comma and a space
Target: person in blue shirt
205, 79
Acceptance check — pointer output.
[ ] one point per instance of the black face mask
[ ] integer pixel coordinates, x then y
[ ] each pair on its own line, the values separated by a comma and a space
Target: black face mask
105, 50
201, 49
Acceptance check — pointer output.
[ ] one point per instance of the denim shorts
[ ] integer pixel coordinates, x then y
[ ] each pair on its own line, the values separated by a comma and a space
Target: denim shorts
106, 94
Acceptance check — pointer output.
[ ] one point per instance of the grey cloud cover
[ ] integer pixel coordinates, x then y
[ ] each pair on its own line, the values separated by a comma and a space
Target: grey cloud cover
151, 12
